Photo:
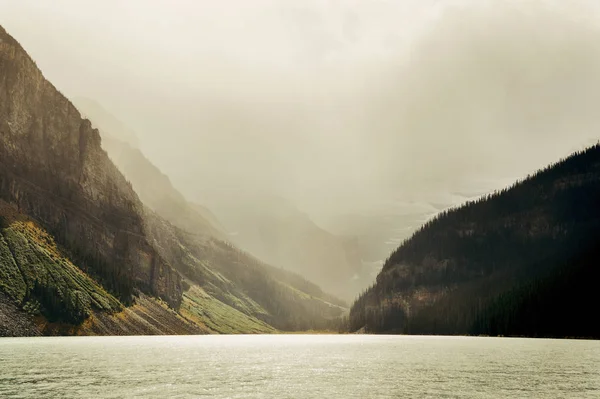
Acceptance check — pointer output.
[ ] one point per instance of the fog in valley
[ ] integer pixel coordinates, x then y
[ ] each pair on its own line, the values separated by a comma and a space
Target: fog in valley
319, 134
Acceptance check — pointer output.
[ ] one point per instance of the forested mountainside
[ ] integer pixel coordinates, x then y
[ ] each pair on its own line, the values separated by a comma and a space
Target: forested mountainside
81, 254
523, 261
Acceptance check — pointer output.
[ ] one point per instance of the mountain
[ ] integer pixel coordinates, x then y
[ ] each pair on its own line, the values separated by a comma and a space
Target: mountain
523, 261
80, 253
201, 239
275, 230
269, 227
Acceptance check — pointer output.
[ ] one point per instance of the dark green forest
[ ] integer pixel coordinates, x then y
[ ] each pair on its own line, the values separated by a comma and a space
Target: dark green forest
519, 262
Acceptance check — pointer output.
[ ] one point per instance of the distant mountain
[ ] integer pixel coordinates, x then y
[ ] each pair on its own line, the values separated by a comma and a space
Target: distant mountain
80, 253
523, 261
275, 230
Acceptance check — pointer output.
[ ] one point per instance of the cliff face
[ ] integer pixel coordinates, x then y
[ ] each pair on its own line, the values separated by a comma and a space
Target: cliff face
520, 262
53, 168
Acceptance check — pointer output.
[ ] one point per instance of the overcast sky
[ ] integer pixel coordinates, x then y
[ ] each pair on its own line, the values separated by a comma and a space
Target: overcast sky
340, 106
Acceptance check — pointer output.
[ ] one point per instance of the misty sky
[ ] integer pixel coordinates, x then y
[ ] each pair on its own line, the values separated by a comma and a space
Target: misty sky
341, 106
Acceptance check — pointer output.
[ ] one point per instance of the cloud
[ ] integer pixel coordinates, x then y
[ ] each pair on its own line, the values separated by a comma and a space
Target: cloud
337, 105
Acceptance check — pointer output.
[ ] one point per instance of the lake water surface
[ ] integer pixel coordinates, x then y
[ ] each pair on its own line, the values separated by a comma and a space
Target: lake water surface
298, 366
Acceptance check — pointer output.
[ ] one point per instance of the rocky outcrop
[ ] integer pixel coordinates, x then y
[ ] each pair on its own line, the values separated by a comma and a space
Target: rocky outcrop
15, 322
52, 166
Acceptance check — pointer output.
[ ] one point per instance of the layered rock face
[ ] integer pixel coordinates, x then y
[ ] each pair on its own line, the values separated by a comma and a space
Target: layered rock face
53, 168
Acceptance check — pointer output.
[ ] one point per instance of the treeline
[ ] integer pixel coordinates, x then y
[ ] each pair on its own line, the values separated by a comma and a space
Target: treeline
487, 266
555, 305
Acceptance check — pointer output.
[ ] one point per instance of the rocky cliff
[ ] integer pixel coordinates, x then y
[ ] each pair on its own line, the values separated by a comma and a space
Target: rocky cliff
52, 166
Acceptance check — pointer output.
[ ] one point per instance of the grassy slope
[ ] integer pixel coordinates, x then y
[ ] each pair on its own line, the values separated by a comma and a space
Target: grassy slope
43, 291
203, 309
243, 283
37, 277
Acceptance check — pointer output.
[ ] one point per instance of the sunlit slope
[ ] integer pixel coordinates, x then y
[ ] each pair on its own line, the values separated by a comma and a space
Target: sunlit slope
48, 294
520, 262
204, 309
40, 279
238, 280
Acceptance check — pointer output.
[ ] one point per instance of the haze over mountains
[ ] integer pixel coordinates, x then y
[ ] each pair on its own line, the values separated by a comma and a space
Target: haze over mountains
269, 227
356, 109
153, 187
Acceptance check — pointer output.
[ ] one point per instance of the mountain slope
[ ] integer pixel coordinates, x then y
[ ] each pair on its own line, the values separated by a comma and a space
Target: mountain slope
217, 273
274, 230
81, 254
43, 292
519, 262
241, 282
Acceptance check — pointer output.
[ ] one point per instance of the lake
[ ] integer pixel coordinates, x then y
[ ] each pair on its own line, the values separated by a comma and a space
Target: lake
298, 366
